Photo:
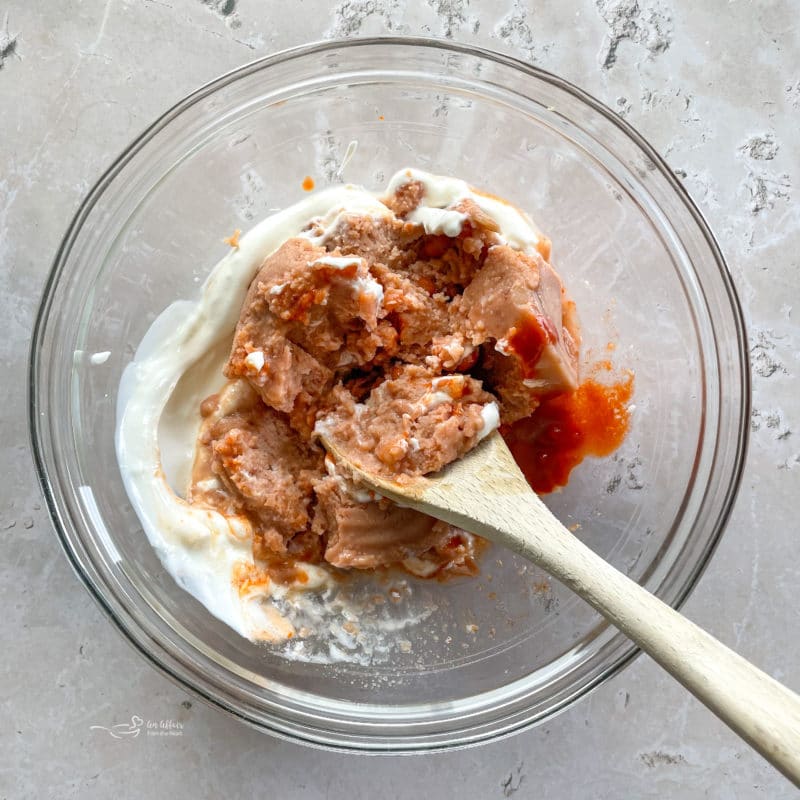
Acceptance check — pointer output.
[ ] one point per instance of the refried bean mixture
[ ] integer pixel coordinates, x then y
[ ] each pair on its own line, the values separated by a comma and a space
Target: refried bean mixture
406, 346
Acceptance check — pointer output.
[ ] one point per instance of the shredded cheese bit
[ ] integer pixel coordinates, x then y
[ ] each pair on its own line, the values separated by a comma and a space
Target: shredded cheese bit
233, 239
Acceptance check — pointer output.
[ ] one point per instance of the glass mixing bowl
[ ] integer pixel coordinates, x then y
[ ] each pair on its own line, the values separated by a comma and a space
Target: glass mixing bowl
509, 648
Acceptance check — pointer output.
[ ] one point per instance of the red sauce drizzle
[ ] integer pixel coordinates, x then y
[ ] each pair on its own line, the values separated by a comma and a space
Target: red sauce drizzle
565, 428
529, 339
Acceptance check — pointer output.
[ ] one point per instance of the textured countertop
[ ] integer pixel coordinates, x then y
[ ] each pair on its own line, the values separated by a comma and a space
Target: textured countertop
715, 86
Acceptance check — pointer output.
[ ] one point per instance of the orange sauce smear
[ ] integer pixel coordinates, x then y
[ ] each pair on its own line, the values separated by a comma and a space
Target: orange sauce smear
565, 428
283, 570
529, 338
308, 183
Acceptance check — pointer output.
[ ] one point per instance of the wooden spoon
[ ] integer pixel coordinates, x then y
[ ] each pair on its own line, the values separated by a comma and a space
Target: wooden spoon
485, 493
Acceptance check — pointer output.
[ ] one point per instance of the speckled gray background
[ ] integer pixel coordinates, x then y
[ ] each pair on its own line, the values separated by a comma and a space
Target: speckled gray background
715, 86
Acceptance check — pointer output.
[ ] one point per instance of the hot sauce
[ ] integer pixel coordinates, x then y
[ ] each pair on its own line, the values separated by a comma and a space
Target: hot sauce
565, 428
529, 338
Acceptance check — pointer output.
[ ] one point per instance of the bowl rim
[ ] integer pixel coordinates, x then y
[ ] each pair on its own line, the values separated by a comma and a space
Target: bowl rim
38, 435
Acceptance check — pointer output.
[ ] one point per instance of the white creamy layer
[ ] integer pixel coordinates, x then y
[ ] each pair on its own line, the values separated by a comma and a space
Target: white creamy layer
179, 363
516, 227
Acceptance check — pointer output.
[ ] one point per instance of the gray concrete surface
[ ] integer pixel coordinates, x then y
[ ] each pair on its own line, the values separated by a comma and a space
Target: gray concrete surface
715, 86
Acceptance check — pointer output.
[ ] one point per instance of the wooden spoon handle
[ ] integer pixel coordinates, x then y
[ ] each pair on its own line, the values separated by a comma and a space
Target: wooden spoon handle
762, 711
487, 495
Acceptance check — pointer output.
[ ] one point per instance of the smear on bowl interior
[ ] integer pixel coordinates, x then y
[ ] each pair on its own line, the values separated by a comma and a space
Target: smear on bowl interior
408, 325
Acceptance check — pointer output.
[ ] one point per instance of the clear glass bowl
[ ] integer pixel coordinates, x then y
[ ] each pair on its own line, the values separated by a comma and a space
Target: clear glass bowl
637, 257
